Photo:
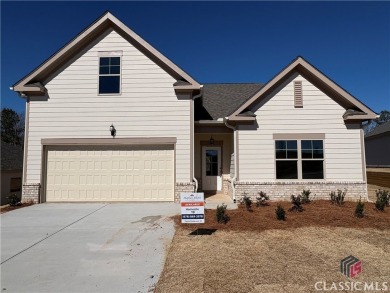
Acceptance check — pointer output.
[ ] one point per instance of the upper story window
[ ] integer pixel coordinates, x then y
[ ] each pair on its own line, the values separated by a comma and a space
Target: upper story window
109, 75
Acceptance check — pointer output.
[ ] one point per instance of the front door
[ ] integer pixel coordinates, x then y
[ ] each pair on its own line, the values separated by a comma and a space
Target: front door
211, 168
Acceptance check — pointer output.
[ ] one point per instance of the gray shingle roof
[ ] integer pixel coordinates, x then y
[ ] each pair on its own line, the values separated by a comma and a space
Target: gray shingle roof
11, 157
219, 100
385, 127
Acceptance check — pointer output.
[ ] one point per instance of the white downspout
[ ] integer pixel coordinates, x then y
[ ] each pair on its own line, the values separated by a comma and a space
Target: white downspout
193, 136
235, 157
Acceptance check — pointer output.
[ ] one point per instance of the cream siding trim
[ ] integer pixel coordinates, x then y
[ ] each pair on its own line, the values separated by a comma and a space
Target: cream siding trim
277, 117
26, 136
72, 108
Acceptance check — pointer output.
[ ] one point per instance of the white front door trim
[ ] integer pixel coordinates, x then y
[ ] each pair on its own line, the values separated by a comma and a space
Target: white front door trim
211, 170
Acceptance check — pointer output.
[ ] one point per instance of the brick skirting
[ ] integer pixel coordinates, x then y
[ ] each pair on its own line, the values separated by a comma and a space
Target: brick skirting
183, 187
31, 192
284, 190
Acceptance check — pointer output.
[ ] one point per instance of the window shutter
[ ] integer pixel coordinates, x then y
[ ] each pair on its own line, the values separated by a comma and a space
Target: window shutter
298, 97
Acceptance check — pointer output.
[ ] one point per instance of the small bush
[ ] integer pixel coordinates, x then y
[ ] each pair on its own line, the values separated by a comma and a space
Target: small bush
221, 215
296, 204
280, 213
339, 197
305, 196
14, 200
246, 201
359, 210
261, 200
382, 199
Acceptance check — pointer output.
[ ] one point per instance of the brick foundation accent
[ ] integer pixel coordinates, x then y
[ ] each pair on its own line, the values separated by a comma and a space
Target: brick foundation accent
31, 192
183, 187
284, 190
227, 185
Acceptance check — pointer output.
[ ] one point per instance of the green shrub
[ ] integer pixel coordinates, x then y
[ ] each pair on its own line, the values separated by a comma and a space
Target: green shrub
339, 197
280, 213
14, 200
296, 204
305, 196
382, 199
221, 215
359, 210
261, 200
246, 201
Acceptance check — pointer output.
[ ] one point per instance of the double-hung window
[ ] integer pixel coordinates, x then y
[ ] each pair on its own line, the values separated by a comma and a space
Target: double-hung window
299, 159
109, 75
312, 159
286, 159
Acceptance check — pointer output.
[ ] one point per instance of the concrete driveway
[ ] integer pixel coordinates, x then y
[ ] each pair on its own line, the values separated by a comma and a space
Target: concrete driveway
86, 247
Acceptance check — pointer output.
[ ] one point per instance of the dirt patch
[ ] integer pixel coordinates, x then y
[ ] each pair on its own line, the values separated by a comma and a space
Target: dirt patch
254, 252
8, 208
317, 213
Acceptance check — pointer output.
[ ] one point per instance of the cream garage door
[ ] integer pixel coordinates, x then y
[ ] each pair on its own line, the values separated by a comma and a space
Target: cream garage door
106, 173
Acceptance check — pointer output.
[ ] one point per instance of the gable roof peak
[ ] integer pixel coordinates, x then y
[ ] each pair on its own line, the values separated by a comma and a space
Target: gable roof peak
82, 40
304, 68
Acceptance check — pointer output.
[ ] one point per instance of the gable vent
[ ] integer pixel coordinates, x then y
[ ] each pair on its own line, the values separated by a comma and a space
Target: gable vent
298, 97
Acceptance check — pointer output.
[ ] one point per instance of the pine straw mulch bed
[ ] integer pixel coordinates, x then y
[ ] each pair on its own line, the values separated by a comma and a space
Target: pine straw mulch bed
254, 252
316, 213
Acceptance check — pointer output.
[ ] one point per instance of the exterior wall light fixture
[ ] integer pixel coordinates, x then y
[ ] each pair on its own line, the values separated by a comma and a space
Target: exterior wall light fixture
112, 130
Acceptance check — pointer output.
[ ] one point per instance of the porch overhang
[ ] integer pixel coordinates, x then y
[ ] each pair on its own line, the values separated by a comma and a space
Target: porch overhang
211, 126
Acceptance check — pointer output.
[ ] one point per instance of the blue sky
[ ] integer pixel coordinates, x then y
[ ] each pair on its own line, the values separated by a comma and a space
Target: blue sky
218, 41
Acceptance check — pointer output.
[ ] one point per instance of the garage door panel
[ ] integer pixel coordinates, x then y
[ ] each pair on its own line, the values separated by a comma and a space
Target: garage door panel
124, 173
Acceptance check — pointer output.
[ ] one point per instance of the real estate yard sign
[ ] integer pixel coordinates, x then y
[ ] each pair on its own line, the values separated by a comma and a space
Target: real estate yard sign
192, 208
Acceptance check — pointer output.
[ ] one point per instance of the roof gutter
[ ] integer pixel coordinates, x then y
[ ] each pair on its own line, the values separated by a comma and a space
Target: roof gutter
232, 183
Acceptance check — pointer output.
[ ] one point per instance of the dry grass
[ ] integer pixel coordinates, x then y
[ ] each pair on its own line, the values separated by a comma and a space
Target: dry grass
260, 254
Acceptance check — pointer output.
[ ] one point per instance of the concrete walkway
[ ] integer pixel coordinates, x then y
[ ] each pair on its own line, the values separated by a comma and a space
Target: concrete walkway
216, 199
85, 247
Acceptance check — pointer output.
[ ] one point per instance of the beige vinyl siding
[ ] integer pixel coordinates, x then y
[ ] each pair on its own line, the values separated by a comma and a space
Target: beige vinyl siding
320, 114
146, 107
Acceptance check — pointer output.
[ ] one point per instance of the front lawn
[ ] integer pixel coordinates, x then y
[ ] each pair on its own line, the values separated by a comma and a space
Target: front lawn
254, 252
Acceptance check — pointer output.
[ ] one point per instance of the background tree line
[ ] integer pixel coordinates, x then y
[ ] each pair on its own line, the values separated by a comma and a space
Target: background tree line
12, 127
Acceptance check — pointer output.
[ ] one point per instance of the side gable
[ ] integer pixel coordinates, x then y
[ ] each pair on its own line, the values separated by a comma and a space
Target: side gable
31, 84
345, 99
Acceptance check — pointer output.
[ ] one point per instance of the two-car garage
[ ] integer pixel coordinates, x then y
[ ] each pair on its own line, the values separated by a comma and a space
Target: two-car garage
101, 172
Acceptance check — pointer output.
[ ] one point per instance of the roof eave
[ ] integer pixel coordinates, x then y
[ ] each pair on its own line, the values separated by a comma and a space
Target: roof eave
25, 91
186, 87
368, 116
241, 119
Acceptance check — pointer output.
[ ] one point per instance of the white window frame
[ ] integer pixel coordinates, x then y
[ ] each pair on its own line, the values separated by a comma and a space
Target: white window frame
298, 139
106, 54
